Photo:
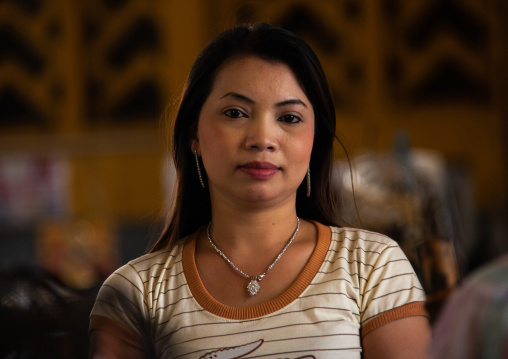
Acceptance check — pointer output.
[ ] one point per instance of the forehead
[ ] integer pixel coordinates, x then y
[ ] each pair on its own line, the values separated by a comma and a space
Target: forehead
251, 72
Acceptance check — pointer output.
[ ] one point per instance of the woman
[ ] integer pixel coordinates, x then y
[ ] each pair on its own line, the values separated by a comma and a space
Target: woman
252, 261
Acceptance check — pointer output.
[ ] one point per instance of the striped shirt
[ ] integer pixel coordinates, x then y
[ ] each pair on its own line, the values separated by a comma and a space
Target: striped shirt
354, 282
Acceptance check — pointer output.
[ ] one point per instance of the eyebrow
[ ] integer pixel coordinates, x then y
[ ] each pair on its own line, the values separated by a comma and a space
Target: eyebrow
278, 104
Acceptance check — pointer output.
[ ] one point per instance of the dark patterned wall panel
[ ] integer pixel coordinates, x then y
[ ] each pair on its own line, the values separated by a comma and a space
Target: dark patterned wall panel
25, 74
416, 52
332, 28
439, 52
124, 42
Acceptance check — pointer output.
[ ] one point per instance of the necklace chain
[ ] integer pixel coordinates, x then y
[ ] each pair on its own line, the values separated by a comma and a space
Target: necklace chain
253, 286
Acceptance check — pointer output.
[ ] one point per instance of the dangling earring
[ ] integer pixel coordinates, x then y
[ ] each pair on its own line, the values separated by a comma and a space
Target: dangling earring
199, 169
308, 181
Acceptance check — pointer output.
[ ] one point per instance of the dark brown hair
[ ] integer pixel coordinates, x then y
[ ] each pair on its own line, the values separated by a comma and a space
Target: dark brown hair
192, 207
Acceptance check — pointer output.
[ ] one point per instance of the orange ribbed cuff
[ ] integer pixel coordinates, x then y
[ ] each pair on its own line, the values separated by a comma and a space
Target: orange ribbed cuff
407, 310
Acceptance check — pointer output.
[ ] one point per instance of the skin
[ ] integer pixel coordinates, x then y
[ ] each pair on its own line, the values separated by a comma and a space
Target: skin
258, 113
107, 346
407, 338
251, 204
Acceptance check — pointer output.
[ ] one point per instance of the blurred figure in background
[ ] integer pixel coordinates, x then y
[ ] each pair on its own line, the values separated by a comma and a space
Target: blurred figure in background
474, 322
412, 196
41, 317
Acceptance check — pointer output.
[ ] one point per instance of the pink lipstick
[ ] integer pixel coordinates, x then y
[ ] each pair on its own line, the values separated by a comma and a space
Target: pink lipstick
259, 170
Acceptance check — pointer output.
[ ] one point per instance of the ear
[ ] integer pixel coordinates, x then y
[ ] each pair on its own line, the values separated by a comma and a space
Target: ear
194, 140
194, 145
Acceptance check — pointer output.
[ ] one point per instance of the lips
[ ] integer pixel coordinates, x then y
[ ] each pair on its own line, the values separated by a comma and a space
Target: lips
259, 170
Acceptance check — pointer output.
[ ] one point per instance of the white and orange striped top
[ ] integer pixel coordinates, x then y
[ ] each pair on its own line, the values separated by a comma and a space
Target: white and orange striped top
354, 282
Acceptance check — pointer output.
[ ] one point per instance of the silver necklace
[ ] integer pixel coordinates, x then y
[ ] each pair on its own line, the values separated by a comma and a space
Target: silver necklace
253, 287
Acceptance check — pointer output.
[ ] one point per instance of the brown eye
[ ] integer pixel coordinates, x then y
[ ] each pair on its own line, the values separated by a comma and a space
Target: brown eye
290, 119
234, 113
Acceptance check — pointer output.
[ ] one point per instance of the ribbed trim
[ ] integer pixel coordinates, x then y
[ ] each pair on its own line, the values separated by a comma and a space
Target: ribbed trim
299, 285
407, 310
104, 324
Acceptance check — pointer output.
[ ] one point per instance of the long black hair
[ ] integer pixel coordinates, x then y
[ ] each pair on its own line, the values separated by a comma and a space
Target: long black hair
192, 207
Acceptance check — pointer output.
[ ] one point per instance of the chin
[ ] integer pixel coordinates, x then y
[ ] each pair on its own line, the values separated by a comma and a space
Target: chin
258, 196
266, 196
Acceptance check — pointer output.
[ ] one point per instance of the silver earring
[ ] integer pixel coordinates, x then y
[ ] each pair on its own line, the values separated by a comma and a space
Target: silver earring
308, 182
199, 169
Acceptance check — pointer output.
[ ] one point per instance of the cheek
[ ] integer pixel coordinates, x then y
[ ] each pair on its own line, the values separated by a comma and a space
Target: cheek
303, 146
310, 142
213, 139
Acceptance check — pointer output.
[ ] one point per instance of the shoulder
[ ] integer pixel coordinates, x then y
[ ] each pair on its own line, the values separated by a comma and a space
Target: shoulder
152, 263
138, 273
374, 256
367, 238
388, 287
362, 243
350, 241
130, 287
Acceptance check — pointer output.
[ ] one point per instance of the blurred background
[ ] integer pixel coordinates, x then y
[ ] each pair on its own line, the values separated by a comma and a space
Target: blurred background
88, 88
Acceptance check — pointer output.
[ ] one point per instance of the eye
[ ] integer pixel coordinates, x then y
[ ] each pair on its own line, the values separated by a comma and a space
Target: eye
234, 113
290, 119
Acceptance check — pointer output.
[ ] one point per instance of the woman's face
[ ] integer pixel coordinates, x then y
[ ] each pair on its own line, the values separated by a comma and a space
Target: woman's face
255, 133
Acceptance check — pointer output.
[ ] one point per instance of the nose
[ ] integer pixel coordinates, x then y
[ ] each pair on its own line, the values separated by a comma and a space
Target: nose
261, 135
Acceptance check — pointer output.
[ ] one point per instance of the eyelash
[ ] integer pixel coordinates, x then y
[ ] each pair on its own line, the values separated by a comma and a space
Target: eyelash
290, 119
293, 119
229, 113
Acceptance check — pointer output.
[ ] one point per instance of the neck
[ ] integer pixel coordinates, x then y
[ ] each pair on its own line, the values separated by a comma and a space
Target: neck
254, 228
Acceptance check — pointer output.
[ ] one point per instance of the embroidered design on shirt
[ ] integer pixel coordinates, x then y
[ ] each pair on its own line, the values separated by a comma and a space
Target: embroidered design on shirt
233, 352
240, 352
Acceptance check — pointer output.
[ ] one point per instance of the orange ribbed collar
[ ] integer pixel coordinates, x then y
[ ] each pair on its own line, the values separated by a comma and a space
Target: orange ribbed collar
217, 308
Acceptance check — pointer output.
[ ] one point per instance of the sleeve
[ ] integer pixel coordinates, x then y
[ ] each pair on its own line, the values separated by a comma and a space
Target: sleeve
121, 310
392, 290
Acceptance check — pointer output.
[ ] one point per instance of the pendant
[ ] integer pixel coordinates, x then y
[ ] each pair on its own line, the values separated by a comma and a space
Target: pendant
253, 287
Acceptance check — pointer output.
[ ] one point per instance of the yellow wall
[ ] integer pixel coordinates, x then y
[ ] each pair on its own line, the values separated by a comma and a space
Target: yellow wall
117, 165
